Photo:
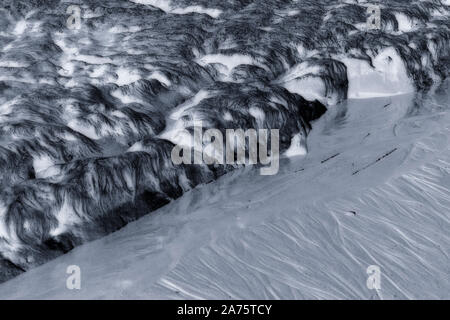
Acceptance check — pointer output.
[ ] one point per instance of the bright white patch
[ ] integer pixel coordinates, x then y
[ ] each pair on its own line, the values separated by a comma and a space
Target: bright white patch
161, 4
107, 130
128, 179
71, 83
119, 114
20, 27
166, 6
69, 137
178, 112
3, 228
388, 78
214, 13
66, 216
122, 29
304, 80
257, 113
40, 163
310, 88
125, 76
98, 71
124, 98
297, 147
46, 81
177, 135
89, 14
7, 47
405, 24
136, 147
49, 172
66, 58
174, 131
27, 225
12, 64
88, 131
30, 80
227, 116
301, 70
305, 53
229, 62
275, 99
160, 77
5, 108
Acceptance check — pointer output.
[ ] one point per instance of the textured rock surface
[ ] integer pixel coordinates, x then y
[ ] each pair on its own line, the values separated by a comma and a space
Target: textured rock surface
73, 103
